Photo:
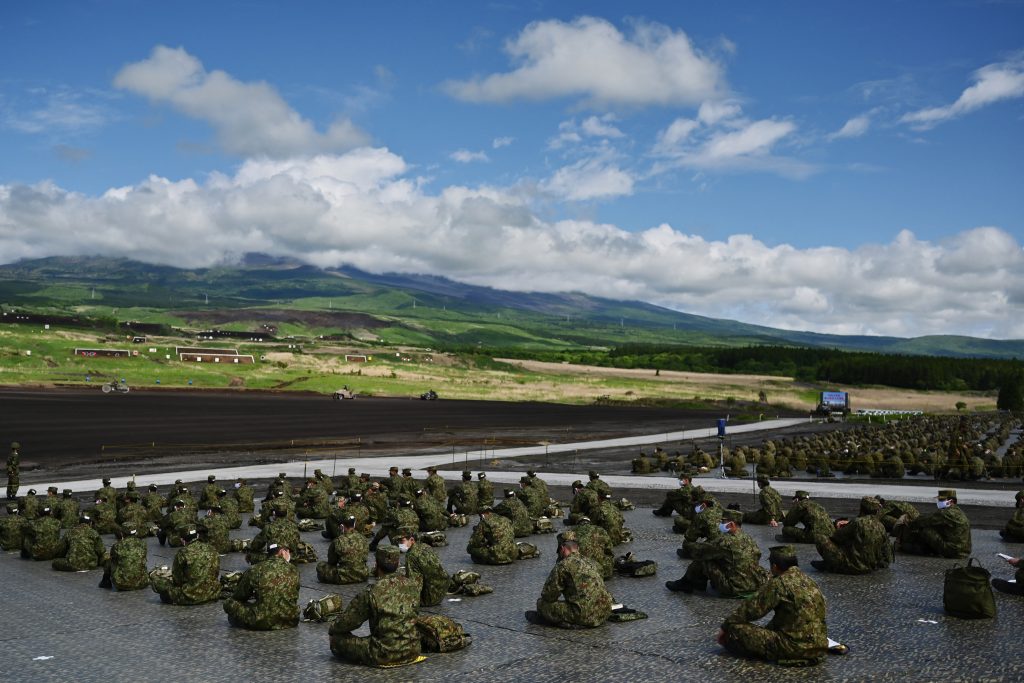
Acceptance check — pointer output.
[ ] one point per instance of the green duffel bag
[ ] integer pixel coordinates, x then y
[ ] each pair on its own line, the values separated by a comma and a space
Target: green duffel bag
967, 592
324, 608
441, 634
527, 550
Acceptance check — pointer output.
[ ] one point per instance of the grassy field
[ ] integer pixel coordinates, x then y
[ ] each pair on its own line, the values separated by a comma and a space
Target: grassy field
33, 356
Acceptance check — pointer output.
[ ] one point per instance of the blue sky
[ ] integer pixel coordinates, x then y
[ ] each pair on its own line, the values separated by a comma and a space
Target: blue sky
840, 167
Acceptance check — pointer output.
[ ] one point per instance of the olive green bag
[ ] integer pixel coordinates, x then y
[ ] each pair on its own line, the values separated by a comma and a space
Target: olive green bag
439, 633
967, 592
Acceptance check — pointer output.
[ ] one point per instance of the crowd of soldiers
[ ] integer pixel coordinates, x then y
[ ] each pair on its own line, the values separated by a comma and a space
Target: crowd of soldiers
949, 447
356, 515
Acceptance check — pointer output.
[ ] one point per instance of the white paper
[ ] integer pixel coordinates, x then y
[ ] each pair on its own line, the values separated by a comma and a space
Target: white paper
927, 621
1004, 556
617, 605
42, 658
454, 599
833, 643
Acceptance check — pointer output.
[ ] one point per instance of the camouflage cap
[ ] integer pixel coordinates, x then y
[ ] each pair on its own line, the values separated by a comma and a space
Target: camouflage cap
526, 480
486, 508
211, 478
945, 494
431, 468
781, 552
106, 481
68, 492
763, 479
31, 492
318, 471
51, 489
531, 473
387, 554
348, 521
15, 445
393, 468
467, 475
12, 508
732, 516
568, 535
510, 493
1020, 495
593, 474
481, 475
407, 471
152, 487
351, 470
577, 484
801, 495
407, 531
870, 504
274, 548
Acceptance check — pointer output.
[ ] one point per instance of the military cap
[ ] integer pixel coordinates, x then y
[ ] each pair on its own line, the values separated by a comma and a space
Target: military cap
51, 489
732, 516
387, 554
593, 474
15, 445
583, 520
243, 481
420, 492
801, 494
509, 493
31, 492
1020, 494
577, 484
364, 475
221, 493
106, 481
486, 508
152, 487
781, 552
273, 548
404, 501
568, 535
393, 468
407, 470
216, 508
763, 479
84, 518
406, 531
526, 480
131, 483
12, 507
282, 475
432, 469
467, 475
531, 473
357, 497
211, 478
68, 493
179, 503
178, 481
311, 480
348, 521
871, 504
351, 470
481, 475
945, 494
318, 471
190, 534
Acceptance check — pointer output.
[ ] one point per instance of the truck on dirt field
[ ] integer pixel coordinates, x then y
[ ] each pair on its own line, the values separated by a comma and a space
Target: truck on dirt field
833, 403
343, 394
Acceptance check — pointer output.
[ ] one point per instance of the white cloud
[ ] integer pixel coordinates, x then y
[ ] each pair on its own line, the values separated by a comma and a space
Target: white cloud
853, 128
600, 127
677, 133
591, 58
465, 156
57, 110
712, 112
251, 119
992, 83
498, 143
362, 208
590, 179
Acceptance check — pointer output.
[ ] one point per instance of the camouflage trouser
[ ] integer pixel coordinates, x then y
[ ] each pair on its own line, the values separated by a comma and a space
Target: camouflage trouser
329, 573
680, 525
13, 484
927, 542
834, 556
250, 616
62, 564
748, 640
795, 534
757, 517
359, 650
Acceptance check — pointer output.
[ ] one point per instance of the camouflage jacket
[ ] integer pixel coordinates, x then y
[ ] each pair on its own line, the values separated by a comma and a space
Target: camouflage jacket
493, 541
208, 496
392, 486
41, 538
541, 486
377, 503
196, 573
608, 517
578, 582
29, 506
391, 606
245, 495
421, 561
154, 503
12, 528
13, 465
513, 510
1015, 527
952, 527
68, 511
348, 553
814, 518
463, 498
771, 503
133, 514
799, 614
534, 500
399, 518
596, 546
434, 486
214, 530
705, 524
325, 483
485, 492
273, 585
432, 516
864, 544
730, 562
601, 487
583, 502
281, 531
128, 564
82, 547
314, 503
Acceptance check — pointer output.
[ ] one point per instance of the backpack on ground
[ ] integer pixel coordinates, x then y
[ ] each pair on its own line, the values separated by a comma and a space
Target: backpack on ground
967, 592
441, 634
324, 608
527, 550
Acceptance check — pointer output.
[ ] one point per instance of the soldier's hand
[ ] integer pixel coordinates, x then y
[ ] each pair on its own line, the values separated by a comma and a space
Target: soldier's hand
773, 523
1015, 561
720, 637
901, 520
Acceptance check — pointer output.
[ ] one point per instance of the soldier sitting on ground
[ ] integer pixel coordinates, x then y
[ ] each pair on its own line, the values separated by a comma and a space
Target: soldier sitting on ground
729, 562
894, 510
267, 596
512, 509
314, 503
492, 541
346, 556
1015, 587
595, 545
423, 563
771, 504
125, 567
1014, 530
80, 549
41, 537
574, 594
811, 515
946, 533
858, 546
796, 635
12, 528
195, 574
391, 605
583, 501
463, 498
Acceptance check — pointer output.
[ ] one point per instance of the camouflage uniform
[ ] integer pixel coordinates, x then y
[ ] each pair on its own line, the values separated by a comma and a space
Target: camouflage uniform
214, 530
29, 505
377, 503
391, 605
1014, 530
463, 498
173, 525
41, 538
346, 560
208, 496
586, 601
80, 549
126, 567
11, 530
532, 498
13, 472
67, 510
493, 541
814, 518
229, 508
513, 510
596, 546
771, 507
104, 517
245, 496
484, 491
730, 562
583, 501
539, 485
279, 530
153, 502
434, 485
431, 513
795, 635
315, 503
397, 518
679, 501
421, 561
195, 576
892, 510
859, 547
946, 533
608, 517
601, 487
642, 465
324, 482
704, 526
273, 586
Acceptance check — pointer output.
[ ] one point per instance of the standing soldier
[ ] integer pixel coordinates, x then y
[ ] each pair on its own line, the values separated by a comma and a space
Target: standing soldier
771, 504
435, 485
857, 547
796, 634
346, 556
272, 587
492, 541
574, 594
81, 548
13, 471
195, 574
125, 568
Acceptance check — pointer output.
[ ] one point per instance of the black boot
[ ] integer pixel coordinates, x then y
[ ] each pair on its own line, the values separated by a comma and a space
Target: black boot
679, 586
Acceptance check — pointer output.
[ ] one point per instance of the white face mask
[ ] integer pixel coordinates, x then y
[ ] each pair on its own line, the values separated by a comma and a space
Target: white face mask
724, 527
238, 484
699, 508
403, 547
943, 504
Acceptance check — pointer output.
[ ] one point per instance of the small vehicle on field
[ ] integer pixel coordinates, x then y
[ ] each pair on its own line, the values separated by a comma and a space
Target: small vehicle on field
430, 395
343, 394
115, 387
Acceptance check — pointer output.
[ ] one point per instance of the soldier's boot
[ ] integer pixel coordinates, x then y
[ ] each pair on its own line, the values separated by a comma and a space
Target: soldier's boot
679, 586
162, 537
819, 565
1006, 587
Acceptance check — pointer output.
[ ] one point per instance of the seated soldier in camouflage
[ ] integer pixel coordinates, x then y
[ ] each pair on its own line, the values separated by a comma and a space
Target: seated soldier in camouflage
583, 501
595, 545
314, 502
512, 509
813, 517
1014, 530
423, 563
894, 510
707, 515
771, 511
267, 596
346, 556
41, 537
125, 567
859, 546
796, 635
946, 533
574, 594
729, 561
679, 500
1015, 587
12, 528
391, 605
195, 574
463, 498
607, 516
492, 541
81, 548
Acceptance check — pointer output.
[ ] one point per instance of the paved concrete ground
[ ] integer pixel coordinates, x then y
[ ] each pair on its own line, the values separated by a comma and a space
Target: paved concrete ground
89, 634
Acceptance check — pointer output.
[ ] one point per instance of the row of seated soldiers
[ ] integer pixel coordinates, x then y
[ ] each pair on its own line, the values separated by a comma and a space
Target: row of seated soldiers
945, 447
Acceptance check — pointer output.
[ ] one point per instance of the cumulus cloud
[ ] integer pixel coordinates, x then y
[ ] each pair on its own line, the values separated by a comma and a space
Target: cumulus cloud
591, 58
498, 143
853, 128
590, 179
250, 119
992, 83
465, 156
56, 110
362, 208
